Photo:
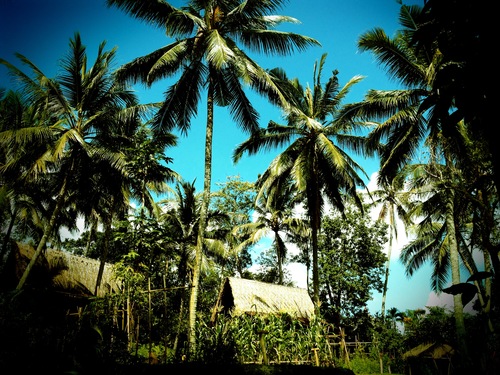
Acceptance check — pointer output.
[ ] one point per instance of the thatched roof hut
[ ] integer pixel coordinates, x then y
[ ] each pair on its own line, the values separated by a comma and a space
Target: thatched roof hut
242, 296
439, 355
430, 350
76, 275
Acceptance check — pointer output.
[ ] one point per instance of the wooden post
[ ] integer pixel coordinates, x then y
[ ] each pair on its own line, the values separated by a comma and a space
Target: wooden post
316, 357
344, 346
217, 303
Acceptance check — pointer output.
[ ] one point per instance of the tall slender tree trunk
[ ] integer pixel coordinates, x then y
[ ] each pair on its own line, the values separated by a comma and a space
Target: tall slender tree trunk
386, 280
165, 311
193, 301
487, 286
315, 274
150, 322
129, 319
182, 299
315, 224
455, 275
105, 250
279, 253
92, 231
315, 228
46, 233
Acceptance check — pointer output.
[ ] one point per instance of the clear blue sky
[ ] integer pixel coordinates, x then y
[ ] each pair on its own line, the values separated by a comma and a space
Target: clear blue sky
41, 30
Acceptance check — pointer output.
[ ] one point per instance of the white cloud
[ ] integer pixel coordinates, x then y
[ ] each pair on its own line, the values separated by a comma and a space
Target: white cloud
299, 274
372, 184
66, 234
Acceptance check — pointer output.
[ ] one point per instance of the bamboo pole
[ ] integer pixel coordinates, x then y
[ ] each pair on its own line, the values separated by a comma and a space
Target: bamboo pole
316, 357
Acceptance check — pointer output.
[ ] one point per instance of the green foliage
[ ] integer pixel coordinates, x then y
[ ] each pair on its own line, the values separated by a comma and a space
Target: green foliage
466, 290
437, 325
215, 344
120, 160
351, 264
287, 340
361, 364
267, 269
235, 198
388, 343
152, 354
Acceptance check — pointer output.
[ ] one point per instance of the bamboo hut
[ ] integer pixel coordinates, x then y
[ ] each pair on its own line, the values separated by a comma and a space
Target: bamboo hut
242, 296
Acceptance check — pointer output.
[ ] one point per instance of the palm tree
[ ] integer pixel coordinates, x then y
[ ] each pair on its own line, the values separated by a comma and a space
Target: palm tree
21, 203
314, 160
436, 203
459, 31
146, 176
274, 214
206, 52
392, 201
24, 201
410, 117
75, 108
181, 218
147, 167
414, 116
394, 316
235, 198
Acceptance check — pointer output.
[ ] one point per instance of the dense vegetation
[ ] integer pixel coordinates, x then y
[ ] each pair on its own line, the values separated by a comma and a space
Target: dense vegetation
80, 145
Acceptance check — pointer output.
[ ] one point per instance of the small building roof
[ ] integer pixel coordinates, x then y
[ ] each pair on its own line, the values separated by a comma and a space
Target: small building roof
430, 350
242, 296
79, 271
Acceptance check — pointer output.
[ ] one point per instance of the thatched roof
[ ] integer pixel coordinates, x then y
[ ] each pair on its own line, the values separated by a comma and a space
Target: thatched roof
80, 273
241, 296
430, 350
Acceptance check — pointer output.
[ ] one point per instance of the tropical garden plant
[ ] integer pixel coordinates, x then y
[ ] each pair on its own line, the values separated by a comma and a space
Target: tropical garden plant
417, 117
208, 55
77, 113
80, 144
315, 161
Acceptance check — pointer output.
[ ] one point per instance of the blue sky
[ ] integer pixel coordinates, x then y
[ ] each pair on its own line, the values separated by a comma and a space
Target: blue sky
41, 30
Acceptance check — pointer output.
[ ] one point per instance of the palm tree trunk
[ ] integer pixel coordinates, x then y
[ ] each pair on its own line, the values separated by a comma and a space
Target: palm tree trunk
386, 280
315, 227
279, 253
180, 318
129, 320
487, 286
104, 254
315, 273
165, 312
193, 301
455, 275
46, 233
150, 322
92, 231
